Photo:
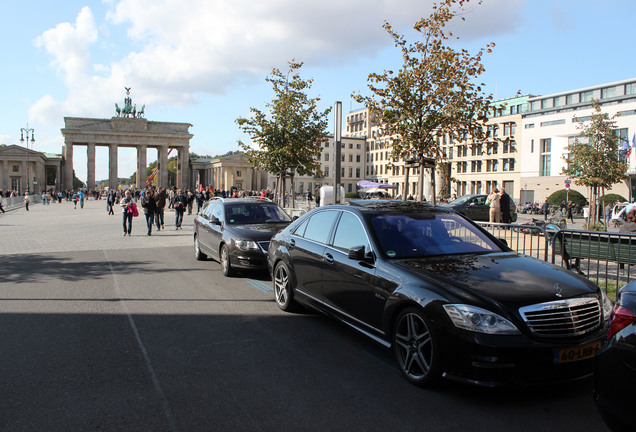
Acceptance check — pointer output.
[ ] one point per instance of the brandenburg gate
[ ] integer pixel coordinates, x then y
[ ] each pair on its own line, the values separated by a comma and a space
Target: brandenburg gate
128, 129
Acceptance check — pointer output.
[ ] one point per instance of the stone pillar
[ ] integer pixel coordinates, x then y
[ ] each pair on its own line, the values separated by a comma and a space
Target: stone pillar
6, 184
113, 179
40, 177
141, 166
58, 179
183, 173
162, 157
68, 166
90, 166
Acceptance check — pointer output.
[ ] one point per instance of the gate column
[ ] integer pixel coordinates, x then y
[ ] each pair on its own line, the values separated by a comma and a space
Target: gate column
141, 166
90, 166
113, 180
68, 166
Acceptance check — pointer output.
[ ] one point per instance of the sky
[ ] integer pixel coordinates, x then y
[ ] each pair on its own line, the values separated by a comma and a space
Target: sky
204, 62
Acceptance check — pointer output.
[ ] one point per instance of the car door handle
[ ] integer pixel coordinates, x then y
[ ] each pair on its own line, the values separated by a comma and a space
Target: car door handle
329, 258
292, 243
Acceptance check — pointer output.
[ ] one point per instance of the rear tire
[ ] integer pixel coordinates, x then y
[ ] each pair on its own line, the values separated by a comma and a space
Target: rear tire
283, 291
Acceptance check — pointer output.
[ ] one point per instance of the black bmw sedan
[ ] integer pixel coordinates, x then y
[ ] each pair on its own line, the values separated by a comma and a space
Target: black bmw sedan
449, 299
236, 232
615, 366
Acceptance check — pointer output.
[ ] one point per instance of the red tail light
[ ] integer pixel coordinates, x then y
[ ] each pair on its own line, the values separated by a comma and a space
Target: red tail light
620, 318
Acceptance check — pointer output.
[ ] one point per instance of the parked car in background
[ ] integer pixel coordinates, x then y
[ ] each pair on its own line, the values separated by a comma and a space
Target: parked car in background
474, 207
615, 366
449, 298
236, 232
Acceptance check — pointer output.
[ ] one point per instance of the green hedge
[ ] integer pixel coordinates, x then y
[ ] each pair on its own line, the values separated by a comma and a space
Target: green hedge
576, 197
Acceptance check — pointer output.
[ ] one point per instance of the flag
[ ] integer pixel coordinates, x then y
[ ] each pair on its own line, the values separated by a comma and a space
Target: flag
633, 141
625, 149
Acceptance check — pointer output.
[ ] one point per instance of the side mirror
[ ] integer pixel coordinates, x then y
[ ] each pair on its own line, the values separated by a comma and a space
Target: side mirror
356, 253
294, 218
504, 241
214, 220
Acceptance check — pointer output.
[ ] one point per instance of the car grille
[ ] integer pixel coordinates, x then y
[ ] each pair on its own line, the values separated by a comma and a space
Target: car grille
264, 245
563, 318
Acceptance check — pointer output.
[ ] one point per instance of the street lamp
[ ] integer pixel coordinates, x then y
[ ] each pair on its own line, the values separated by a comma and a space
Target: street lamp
26, 131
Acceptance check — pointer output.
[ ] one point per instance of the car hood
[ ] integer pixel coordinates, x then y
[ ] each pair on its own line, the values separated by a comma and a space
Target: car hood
507, 278
260, 231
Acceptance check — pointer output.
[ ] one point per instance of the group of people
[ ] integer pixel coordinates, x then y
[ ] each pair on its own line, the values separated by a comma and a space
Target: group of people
153, 202
499, 202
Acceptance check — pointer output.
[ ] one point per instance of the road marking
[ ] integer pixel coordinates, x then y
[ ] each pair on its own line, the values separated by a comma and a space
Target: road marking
260, 285
155, 380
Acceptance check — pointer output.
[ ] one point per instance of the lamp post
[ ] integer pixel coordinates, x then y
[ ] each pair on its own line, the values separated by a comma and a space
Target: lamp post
27, 131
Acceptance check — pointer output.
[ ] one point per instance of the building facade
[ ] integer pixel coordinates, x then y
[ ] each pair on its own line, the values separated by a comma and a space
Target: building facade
23, 169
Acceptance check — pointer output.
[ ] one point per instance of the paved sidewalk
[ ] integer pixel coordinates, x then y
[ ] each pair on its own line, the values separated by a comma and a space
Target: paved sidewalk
60, 227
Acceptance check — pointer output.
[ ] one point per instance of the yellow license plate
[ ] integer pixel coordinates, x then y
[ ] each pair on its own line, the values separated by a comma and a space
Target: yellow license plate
567, 355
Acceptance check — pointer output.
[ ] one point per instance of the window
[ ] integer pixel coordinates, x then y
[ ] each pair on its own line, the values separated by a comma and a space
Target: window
326, 171
350, 158
326, 157
570, 100
630, 88
608, 92
545, 159
319, 226
350, 233
238, 173
529, 126
15, 168
357, 158
586, 96
326, 144
553, 123
357, 172
513, 128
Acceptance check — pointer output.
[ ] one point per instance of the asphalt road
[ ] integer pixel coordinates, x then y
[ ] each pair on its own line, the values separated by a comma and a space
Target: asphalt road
110, 333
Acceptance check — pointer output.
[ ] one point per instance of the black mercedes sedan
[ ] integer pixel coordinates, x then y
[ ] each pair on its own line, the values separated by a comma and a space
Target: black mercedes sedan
450, 299
474, 207
615, 366
236, 232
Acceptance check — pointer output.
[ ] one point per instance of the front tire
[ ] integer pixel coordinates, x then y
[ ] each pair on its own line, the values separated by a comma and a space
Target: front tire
226, 266
416, 348
283, 288
198, 255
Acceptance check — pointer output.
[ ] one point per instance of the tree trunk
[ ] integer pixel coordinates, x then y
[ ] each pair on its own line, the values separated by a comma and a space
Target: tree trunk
292, 192
420, 186
433, 186
406, 182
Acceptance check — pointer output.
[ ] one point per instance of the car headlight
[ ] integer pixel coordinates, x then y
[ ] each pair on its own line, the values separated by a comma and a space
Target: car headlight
246, 245
479, 320
607, 306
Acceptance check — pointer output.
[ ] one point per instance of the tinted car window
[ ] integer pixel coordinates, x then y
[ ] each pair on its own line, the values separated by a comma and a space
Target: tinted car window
423, 234
254, 213
300, 229
350, 233
319, 226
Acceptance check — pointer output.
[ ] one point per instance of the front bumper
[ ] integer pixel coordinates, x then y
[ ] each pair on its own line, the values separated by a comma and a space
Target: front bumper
498, 360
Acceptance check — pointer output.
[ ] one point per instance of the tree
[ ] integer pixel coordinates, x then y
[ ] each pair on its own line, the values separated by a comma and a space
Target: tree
594, 159
288, 137
433, 94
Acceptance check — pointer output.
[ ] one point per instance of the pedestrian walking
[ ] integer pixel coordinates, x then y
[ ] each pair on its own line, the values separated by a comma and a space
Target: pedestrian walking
27, 200
126, 204
179, 208
149, 206
160, 200
569, 208
545, 209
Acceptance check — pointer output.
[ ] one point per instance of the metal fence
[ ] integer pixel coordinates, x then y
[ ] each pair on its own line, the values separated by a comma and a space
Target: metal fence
603, 257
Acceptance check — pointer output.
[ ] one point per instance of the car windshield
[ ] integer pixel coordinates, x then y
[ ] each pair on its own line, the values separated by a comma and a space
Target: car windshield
428, 234
254, 213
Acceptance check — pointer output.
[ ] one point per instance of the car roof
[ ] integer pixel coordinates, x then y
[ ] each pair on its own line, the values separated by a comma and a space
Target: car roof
379, 205
251, 200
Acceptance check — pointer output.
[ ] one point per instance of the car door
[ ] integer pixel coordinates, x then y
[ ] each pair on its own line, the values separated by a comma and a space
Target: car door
216, 229
306, 251
205, 228
348, 284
